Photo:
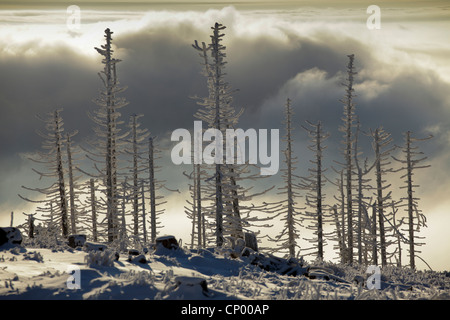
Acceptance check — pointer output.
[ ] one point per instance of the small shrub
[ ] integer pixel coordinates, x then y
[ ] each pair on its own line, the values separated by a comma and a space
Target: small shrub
100, 258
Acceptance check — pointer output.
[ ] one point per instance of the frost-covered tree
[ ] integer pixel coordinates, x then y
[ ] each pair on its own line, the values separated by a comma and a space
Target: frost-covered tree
77, 216
288, 208
93, 207
416, 220
53, 160
155, 188
232, 216
315, 197
137, 145
373, 234
349, 123
219, 114
382, 149
400, 238
195, 210
363, 238
105, 149
339, 236
338, 217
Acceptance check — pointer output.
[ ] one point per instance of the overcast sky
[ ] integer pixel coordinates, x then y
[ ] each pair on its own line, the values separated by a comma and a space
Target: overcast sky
295, 50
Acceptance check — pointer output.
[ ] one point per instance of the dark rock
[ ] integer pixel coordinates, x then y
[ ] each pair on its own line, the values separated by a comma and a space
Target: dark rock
138, 259
3, 237
192, 282
76, 240
10, 235
168, 242
251, 241
133, 252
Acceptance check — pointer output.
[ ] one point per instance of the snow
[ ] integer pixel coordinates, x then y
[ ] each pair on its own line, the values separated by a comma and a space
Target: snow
207, 274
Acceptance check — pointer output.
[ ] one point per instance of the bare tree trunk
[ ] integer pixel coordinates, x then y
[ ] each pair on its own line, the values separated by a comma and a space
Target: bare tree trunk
217, 78
319, 191
135, 179
93, 211
152, 189
349, 108
374, 234
71, 187
341, 241
60, 170
144, 227
411, 164
410, 201
290, 196
200, 224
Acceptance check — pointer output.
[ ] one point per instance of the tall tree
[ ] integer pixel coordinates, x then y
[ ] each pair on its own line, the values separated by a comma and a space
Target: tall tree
195, 209
338, 213
76, 213
109, 140
288, 208
349, 138
53, 160
232, 180
314, 185
381, 146
137, 143
416, 220
364, 227
219, 114
93, 204
155, 186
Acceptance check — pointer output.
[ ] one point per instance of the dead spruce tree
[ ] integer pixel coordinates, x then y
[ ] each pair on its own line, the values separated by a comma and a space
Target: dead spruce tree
155, 187
364, 227
400, 238
78, 219
338, 217
347, 128
195, 210
136, 149
106, 148
416, 220
91, 204
53, 160
314, 186
382, 149
219, 114
288, 208
232, 217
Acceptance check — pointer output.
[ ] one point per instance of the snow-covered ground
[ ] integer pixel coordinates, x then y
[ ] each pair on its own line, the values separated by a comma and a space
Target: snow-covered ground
38, 273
